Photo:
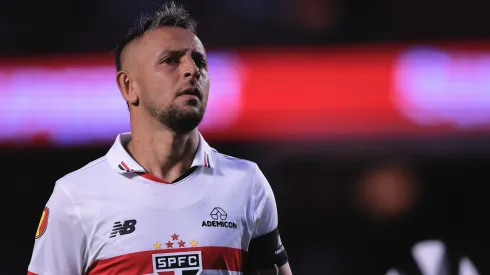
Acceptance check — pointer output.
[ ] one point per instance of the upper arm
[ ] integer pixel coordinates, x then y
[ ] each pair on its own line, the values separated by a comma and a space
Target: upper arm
60, 238
265, 250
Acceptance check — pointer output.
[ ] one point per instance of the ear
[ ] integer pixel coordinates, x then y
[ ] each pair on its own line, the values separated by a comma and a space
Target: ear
126, 87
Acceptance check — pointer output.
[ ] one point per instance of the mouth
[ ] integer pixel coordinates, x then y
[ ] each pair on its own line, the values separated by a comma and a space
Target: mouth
192, 92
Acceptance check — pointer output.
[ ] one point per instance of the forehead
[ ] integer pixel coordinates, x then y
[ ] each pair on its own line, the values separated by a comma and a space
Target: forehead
168, 38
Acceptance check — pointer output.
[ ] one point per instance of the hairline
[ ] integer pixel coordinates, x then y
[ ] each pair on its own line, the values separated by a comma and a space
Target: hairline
139, 37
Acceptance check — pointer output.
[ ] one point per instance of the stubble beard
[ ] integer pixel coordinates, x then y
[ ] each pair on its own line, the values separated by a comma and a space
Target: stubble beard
176, 119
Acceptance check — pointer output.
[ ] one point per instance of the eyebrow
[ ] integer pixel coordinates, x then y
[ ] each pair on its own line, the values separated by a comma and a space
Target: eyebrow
181, 51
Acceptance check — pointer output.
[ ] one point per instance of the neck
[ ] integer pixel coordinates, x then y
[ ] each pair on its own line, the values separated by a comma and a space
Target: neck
162, 152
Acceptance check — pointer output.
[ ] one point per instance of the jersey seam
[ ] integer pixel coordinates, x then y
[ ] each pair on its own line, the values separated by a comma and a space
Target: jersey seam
79, 216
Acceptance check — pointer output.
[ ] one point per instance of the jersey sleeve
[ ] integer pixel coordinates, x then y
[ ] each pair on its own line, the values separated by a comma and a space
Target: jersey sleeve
266, 219
60, 238
265, 249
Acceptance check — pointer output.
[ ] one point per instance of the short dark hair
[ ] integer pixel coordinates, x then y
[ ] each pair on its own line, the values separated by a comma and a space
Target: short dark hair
169, 14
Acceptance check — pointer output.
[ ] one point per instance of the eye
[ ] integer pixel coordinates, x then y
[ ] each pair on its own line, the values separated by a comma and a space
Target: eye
201, 63
170, 60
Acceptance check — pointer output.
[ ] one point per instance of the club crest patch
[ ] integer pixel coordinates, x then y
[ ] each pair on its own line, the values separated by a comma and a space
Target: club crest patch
178, 263
43, 223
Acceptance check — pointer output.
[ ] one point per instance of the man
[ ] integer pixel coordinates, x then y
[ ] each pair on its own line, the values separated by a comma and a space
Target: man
162, 201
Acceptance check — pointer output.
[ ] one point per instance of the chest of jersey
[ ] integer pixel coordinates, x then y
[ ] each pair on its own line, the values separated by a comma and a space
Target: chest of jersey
195, 226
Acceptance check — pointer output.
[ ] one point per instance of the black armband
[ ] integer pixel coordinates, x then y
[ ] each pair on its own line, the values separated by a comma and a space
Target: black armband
266, 251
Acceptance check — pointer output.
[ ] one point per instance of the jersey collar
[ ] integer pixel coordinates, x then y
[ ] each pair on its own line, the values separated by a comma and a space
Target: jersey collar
120, 160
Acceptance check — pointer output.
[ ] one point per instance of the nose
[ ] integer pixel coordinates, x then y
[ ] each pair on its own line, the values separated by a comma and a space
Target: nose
190, 69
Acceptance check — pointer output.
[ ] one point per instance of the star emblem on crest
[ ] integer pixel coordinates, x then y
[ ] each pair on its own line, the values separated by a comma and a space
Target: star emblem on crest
175, 242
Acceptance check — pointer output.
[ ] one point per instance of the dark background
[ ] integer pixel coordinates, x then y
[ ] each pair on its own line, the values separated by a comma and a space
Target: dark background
332, 218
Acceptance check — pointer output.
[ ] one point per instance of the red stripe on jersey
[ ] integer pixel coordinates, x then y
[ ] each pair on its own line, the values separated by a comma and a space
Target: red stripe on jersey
31, 273
213, 257
125, 166
151, 177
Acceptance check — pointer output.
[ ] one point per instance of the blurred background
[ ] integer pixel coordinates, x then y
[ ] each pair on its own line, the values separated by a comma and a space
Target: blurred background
371, 119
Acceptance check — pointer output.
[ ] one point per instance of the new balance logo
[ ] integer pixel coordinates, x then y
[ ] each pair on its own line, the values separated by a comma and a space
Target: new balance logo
123, 228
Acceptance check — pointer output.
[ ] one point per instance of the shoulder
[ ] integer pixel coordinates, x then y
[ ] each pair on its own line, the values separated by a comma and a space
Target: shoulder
246, 170
89, 173
229, 163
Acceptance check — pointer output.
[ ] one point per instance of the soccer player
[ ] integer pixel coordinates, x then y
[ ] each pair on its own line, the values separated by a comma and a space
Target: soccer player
161, 201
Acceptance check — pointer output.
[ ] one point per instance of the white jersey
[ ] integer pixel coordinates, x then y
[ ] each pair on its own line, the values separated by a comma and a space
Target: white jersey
111, 217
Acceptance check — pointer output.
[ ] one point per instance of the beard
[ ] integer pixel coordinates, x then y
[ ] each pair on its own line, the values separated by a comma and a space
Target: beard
176, 119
